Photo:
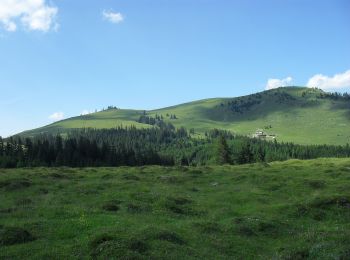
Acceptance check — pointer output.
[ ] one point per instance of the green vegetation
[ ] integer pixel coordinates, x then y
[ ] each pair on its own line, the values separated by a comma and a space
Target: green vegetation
281, 210
294, 114
163, 145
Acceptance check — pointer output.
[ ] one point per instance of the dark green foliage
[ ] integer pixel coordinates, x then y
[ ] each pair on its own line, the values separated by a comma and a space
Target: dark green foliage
180, 205
131, 177
111, 205
137, 245
156, 121
15, 184
137, 208
256, 226
223, 151
317, 184
14, 235
209, 227
169, 236
325, 203
99, 239
155, 146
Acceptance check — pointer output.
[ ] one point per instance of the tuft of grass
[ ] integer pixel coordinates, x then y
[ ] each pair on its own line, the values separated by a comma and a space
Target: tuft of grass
112, 205
208, 227
179, 205
136, 208
169, 236
14, 235
15, 184
317, 184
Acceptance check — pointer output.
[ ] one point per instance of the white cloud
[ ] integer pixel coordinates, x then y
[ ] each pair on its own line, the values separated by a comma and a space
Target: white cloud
33, 14
113, 17
341, 80
56, 116
9, 26
276, 83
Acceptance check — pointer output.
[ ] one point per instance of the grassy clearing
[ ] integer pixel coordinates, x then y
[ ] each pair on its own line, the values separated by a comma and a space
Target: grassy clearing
283, 210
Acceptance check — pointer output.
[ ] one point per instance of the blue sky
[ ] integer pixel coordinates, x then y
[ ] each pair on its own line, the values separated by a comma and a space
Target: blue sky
64, 56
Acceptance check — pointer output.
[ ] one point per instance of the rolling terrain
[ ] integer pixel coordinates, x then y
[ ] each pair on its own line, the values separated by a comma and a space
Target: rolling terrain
293, 114
282, 210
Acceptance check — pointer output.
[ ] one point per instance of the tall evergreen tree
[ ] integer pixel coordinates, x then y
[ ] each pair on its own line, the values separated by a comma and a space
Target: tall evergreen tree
223, 153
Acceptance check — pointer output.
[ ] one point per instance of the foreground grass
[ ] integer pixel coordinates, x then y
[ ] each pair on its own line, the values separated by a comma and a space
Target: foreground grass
288, 210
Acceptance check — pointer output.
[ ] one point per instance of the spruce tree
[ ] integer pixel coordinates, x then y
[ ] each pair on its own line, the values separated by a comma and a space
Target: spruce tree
223, 154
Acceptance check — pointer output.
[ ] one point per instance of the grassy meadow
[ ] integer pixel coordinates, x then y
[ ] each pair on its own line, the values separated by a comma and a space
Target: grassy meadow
282, 210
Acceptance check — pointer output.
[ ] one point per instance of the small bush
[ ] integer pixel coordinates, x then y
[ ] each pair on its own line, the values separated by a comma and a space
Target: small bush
111, 205
14, 235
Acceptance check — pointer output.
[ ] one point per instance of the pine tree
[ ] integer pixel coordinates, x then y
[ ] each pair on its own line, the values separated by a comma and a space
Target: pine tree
223, 154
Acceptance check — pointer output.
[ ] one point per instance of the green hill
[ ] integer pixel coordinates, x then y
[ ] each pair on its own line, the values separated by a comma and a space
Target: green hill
293, 114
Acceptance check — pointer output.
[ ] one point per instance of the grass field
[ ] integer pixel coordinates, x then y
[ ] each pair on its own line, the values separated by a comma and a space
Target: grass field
303, 120
283, 210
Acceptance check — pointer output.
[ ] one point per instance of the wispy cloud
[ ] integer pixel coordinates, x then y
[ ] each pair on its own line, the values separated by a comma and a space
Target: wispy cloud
57, 116
113, 17
34, 15
338, 81
276, 83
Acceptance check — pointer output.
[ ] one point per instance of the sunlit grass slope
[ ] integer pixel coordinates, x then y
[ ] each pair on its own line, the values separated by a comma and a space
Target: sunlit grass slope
105, 119
283, 210
294, 114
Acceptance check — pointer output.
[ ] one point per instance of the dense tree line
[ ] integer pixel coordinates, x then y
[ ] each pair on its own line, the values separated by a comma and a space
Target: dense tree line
159, 146
335, 96
112, 147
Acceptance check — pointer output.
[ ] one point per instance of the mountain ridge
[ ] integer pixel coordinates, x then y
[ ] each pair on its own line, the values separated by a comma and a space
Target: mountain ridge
295, 114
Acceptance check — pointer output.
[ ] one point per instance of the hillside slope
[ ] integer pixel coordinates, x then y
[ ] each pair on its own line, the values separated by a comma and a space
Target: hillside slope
294, 114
